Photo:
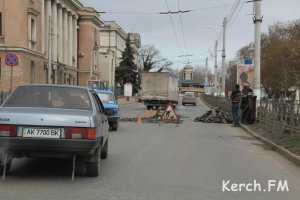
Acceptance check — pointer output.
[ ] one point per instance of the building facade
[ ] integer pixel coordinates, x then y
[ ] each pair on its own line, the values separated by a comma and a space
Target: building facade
188, 72
112, 45
36, 30
59, 42
89, 46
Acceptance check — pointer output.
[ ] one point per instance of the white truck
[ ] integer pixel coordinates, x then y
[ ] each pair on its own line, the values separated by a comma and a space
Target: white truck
159, 89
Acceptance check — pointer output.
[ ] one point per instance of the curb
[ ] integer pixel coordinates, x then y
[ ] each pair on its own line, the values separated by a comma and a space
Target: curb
281, 150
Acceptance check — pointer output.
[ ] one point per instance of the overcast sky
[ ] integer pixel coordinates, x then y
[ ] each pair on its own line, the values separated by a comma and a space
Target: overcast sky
200, 28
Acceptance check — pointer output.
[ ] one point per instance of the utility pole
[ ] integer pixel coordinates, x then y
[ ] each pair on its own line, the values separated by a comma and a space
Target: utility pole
216, 67
257, 19
224, 56
206, 76
49, 51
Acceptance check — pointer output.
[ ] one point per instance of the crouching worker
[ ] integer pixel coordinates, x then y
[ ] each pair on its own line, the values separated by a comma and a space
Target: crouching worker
235, 102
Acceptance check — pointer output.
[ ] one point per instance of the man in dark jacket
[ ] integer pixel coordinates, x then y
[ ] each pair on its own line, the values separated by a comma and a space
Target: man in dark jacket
235, 102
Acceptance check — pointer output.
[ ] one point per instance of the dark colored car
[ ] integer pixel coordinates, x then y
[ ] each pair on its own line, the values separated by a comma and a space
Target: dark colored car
111, 107
54, 121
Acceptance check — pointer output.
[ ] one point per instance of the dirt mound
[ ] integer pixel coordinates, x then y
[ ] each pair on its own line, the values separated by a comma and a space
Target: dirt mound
215, 116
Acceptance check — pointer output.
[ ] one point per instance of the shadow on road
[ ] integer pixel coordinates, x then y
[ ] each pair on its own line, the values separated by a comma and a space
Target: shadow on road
41, 168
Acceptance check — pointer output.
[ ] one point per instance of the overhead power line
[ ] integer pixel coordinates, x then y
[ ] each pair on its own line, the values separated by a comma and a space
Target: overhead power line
234, 8
176, 12
173, 28
182, 27
237, 13
185, 55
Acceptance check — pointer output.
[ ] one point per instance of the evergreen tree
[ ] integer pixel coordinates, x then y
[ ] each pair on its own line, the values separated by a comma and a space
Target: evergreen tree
127, 72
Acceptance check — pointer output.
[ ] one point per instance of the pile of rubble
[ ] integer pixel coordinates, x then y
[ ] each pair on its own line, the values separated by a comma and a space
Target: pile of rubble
215, 116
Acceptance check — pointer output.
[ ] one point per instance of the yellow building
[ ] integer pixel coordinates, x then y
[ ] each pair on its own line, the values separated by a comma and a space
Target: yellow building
89, 46
35, 30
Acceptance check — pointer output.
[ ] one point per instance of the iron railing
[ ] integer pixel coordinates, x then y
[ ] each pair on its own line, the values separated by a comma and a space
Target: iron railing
278, 116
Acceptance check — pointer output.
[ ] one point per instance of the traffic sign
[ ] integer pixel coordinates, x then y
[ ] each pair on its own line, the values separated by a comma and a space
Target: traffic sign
248, 61
11, 59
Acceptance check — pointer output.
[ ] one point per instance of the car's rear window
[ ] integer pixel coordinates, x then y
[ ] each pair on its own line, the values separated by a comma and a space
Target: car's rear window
105, 97
189, 94
50, 97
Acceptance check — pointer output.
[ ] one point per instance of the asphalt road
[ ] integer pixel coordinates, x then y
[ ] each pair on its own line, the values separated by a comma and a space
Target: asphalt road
167, 162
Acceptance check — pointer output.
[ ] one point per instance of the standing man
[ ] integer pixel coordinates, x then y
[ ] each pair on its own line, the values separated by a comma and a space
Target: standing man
235, 102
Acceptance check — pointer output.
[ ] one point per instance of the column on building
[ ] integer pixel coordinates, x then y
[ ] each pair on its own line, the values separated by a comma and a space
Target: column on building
60, 33
48, 20
43, 25
75, 46
65, 38
54, 39
70, 39
48, 37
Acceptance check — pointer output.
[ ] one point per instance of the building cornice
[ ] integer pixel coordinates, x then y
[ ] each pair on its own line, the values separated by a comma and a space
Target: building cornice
91, 18
22, 50
77, 3
90, 14
112, 26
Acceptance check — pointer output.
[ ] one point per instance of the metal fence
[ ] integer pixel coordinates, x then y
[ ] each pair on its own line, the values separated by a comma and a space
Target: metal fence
3, 96
278, 116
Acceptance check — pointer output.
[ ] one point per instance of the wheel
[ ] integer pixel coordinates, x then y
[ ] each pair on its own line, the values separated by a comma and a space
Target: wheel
8, 166
104, 151
149, 107
114, 126
93, 168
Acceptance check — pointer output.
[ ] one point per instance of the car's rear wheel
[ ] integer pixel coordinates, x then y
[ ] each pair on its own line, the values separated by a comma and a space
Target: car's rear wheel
114, 126
8, 166
104, 151
93, 168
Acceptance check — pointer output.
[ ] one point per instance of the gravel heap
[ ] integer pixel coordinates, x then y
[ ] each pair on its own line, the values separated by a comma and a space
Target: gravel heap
215, 116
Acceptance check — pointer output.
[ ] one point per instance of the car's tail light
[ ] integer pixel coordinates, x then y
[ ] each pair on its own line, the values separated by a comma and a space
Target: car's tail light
8, 131
81, 133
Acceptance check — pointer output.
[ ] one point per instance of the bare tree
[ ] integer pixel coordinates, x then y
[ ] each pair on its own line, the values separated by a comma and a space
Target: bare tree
150, 58
280, 58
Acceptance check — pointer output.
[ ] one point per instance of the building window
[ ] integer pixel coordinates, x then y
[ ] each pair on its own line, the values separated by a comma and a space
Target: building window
32, 72
1, 25
32, 37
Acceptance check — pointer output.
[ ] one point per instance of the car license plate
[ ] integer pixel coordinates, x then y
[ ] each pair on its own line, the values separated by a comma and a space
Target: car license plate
42, 133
